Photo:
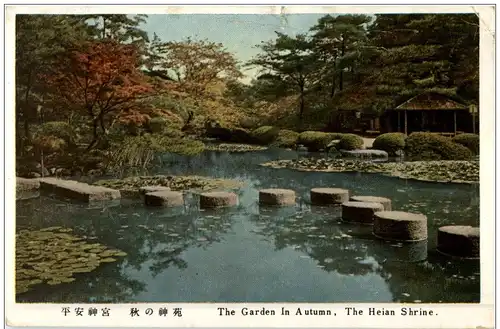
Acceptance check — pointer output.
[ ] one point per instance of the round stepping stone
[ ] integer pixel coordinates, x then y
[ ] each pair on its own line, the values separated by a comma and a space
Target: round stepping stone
218, 199
384, 201
459, 241
360, 212
148, 189
164, 198
276, 197
327, 196
400, 226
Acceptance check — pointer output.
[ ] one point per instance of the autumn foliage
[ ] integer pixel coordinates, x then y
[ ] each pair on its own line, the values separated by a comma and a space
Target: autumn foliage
101, 80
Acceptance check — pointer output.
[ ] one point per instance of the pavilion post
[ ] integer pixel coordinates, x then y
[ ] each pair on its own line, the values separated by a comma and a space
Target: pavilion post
406, 123
455, 121
399, 121
473, 123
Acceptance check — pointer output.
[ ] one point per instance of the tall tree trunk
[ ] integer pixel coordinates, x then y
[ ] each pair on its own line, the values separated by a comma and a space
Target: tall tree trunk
104, 27
26, 110
95, 135
342, 53
302, 101
332, 92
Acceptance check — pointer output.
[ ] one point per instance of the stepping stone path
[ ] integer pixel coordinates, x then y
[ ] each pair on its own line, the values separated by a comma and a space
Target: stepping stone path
27, 184
360, 212
400, 226
387, 203
276, 197
218, 199
164, 198
148, 189
459, 241
78, 191
329, 196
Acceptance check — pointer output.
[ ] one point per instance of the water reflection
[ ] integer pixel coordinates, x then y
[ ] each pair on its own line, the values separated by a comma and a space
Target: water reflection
258, 254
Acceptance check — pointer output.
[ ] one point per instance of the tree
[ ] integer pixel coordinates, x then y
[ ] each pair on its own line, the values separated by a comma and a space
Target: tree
288, 61
40, 39
118, 27
458, 40
195, 65
416, 53
102, 81
340, 41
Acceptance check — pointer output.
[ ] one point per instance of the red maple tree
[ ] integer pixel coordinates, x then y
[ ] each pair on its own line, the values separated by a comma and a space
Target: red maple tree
103, 81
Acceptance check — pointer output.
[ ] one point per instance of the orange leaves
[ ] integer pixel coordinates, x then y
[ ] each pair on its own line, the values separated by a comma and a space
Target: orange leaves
131, 116
100, 78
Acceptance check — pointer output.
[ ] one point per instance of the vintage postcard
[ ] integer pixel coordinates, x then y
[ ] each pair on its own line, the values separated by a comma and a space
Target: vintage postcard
250, 166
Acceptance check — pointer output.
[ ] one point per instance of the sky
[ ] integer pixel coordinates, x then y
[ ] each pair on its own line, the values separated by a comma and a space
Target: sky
238, 33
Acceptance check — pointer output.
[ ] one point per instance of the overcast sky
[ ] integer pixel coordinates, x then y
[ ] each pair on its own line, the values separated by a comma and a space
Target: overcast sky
238, 33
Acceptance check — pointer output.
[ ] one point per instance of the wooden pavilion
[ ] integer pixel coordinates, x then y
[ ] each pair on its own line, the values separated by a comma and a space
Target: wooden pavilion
428, 112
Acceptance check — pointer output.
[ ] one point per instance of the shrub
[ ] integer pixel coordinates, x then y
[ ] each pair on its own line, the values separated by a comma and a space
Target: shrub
286, 139
265, 135
248, 123
390, 142
350, 142
174, 133
157, 125
160, 125
49, 144
56, 129
317, 140
428, 146
471, 141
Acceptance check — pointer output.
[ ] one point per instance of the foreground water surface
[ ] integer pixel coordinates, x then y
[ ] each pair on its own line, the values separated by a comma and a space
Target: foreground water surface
258, 254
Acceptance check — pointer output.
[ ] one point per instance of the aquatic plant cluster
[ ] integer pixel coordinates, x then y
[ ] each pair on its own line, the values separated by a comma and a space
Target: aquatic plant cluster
131, 185
435, 171
229, 147
53, 256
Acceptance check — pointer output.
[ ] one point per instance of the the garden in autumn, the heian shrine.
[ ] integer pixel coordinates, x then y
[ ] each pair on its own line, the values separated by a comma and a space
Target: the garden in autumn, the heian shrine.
338, 163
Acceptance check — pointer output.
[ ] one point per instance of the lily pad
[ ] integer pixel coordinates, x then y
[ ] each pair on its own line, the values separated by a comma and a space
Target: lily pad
53, 255
108, 260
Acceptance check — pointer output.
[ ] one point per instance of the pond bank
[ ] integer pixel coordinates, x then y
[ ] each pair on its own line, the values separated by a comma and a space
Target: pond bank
466, 172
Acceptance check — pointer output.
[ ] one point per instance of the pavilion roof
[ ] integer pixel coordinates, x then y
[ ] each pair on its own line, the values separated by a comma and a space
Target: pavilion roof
431, 101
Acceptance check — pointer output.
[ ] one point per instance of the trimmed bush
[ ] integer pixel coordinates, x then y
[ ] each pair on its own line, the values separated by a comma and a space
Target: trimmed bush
174, 133
265, 135
56, 130
157, 125
50, 144
350, 142
390, 142
428, 146
471, 141
317, 140
286, 139
248, 123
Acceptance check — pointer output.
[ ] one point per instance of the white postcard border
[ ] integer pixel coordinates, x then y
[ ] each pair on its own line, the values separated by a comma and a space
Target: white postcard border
206, 315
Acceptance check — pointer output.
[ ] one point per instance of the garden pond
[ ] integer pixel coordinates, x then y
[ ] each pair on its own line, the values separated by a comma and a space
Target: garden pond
259, 254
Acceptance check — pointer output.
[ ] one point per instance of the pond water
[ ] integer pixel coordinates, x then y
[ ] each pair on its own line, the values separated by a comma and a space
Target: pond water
258, 254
